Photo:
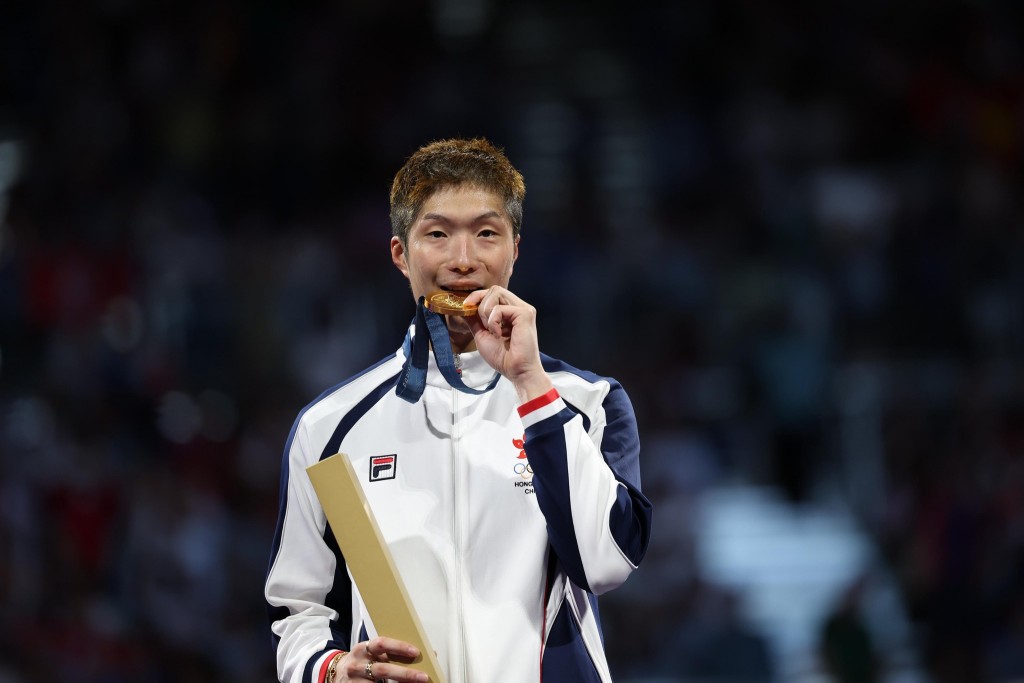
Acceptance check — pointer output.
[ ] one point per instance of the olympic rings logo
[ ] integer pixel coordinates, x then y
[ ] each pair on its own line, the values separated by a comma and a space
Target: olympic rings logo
524, 470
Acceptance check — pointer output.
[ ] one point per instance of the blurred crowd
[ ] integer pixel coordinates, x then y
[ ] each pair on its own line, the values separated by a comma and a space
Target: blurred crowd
794, 231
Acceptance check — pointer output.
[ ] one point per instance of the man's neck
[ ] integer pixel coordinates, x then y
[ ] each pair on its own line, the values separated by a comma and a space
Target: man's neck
462, 343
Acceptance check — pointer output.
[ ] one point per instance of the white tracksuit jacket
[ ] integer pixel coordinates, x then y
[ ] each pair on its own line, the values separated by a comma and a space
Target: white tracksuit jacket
502, 546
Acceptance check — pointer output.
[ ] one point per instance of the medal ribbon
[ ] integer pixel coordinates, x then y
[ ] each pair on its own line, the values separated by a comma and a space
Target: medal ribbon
430, 332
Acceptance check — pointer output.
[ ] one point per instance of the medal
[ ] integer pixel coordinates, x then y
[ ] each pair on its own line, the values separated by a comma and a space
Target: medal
449, 303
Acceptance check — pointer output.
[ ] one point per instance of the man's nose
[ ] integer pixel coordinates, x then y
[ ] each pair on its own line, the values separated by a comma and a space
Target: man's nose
463, 256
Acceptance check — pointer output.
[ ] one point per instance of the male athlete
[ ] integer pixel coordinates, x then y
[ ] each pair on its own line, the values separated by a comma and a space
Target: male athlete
505, 482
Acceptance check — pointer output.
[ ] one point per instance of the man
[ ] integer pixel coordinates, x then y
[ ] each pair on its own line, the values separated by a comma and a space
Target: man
505, 482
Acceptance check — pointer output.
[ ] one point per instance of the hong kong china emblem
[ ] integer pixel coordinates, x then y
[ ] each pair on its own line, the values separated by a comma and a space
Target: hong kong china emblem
521, 468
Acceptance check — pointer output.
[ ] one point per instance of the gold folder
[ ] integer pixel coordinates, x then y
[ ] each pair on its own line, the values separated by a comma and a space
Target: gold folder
369, 560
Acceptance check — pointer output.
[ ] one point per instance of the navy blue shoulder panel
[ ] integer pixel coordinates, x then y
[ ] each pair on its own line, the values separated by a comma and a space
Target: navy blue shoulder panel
621, 440
356, 413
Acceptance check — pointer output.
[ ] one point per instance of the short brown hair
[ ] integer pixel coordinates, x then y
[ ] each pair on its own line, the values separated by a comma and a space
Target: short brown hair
450, 163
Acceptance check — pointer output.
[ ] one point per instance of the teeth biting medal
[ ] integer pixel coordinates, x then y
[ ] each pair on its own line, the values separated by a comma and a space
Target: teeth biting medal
450, 303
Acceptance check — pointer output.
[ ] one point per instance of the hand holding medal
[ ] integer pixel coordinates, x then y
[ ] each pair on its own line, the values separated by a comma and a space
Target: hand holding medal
504, 330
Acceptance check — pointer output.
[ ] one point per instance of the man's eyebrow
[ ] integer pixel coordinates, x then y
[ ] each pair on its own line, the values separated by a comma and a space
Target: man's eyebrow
441, 218
434, 217
487, 216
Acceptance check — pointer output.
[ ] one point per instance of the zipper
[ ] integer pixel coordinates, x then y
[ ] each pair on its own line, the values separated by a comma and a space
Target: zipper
460, 636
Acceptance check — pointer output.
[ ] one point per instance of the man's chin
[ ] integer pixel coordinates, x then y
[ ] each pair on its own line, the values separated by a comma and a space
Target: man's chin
460, 334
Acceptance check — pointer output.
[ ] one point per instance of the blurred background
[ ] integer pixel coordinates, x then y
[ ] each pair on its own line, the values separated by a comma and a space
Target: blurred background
792, 230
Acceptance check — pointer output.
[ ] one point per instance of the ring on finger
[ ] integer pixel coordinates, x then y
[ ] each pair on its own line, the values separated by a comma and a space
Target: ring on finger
369, 669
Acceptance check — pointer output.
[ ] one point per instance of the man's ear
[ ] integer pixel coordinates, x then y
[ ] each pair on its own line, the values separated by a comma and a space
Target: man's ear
398, 256
515, 255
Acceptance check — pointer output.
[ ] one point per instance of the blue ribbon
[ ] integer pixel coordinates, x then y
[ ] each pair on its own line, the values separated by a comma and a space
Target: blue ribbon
430, 332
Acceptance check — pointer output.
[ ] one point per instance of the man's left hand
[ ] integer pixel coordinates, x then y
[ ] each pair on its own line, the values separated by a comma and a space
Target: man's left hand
505, 333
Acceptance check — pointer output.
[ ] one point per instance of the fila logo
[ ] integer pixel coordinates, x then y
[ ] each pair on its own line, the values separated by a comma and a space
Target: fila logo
383, 467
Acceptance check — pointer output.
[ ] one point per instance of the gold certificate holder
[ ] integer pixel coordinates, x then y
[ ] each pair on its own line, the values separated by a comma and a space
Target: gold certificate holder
369, 559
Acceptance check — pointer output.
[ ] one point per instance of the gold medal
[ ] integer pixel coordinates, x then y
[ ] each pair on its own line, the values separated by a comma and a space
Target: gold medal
449, 303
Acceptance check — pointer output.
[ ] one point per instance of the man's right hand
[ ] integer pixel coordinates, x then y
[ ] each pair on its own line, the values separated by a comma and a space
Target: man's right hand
377, 659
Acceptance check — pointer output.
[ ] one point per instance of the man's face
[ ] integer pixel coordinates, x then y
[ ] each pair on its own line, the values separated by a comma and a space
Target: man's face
461, 240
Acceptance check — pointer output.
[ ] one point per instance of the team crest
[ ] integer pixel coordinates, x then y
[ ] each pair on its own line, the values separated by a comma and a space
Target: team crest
522, 467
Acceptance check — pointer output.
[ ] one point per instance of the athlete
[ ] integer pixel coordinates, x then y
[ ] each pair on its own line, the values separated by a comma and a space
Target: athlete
505, 482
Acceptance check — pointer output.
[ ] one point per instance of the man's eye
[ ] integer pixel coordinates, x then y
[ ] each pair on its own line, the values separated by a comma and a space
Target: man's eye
488, 233
436, 234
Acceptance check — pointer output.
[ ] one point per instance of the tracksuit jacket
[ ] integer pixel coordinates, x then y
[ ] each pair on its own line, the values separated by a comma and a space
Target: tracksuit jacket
504, 520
